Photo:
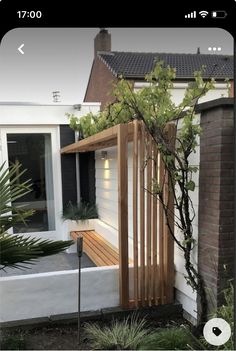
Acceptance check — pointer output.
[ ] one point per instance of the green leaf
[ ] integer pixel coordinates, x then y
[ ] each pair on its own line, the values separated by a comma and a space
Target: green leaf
190, 185
17, 250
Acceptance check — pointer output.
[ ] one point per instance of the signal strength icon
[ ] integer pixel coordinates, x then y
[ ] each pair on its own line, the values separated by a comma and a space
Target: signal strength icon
191, 15
203, 14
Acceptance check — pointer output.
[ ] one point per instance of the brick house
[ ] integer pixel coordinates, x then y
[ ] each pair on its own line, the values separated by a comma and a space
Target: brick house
109, 65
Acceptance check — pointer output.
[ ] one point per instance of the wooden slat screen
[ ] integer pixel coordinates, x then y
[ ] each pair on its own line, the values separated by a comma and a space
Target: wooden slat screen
153, 247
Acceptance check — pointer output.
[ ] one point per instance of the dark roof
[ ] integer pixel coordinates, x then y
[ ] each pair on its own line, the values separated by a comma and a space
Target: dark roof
136, 65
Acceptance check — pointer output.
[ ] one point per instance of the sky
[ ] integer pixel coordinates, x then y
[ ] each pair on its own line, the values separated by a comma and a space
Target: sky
61, 58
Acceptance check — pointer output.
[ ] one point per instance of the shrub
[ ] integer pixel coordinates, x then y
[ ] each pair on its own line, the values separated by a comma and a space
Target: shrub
13, 342
124, 335
81, 211
226, 312
170, 339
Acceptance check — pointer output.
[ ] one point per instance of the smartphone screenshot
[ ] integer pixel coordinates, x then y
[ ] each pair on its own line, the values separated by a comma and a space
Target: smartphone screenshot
117, 168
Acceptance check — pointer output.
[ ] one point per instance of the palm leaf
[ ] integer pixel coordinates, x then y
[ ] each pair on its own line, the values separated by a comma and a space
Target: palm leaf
10, 191
16, 250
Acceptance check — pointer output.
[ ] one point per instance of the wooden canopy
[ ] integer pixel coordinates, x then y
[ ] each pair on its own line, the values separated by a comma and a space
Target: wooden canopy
102, 140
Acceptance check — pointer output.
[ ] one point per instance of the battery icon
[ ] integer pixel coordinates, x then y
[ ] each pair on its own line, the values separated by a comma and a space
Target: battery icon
218, 14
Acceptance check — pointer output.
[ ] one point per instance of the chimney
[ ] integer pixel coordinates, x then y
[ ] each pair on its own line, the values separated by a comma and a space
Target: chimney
102, 41
198, 51
56, 96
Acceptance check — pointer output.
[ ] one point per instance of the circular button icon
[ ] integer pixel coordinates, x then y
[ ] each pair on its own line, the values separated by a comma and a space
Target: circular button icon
217, 331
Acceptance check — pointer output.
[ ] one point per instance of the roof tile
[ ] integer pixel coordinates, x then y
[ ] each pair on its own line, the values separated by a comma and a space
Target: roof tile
137, 64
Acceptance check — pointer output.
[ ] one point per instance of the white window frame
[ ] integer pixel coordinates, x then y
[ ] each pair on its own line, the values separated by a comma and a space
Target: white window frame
54, 131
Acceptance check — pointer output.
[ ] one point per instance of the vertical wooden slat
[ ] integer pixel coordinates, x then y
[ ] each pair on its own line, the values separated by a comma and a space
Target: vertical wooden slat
165, 248
122, 145
169, 242
135, 210
148, 218
161, 233
142, 214
154, 229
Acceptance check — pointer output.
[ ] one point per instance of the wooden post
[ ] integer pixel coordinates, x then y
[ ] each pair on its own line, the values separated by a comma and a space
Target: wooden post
122, 144
161, 234
154, 229
135, 211
148, 218
142, 214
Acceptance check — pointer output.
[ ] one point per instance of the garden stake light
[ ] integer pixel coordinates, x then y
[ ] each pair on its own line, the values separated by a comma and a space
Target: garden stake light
79, 253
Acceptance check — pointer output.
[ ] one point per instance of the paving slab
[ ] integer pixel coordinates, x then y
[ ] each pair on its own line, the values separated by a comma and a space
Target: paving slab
58, 262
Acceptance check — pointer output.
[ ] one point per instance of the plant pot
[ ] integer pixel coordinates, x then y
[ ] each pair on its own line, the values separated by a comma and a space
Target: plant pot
79, 225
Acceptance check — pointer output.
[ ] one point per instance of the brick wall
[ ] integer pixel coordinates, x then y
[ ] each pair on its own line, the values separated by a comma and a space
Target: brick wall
100, 84
216, 196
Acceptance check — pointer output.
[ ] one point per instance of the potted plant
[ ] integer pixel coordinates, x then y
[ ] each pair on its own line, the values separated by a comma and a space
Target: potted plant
79, 217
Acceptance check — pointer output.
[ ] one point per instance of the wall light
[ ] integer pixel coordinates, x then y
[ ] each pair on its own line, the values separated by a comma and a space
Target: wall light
77, 107
104, 155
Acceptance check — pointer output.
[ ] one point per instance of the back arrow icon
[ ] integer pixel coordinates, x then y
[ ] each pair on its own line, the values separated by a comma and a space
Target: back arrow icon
20, 49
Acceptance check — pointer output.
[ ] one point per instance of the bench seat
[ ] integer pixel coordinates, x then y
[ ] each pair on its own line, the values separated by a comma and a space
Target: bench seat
98, 249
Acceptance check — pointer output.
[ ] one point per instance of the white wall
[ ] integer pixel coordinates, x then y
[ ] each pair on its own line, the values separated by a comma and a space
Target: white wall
107, 185
31, 114
107, 195
45, 294
177, 92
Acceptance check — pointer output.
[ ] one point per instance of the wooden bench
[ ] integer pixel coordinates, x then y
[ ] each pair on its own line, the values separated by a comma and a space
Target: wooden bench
99, 250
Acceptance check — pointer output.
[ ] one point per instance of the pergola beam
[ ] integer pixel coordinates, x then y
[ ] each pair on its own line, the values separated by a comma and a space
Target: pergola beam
101, 140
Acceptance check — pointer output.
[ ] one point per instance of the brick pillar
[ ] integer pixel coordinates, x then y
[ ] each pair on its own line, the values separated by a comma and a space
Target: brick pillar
216, 197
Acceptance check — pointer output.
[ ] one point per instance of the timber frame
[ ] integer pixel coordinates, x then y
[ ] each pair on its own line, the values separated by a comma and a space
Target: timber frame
153, 248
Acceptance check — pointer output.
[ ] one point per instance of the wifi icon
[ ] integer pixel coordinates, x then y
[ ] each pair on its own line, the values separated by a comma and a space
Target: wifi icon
203, 14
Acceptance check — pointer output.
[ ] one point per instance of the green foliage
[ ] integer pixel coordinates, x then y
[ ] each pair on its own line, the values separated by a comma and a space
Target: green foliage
18, 249
190, 185
124, 335
227, 81
81, 211
153, 104
10, 190
226, 312
13, 342
170, 339
74, 122
189, 241
85, 125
